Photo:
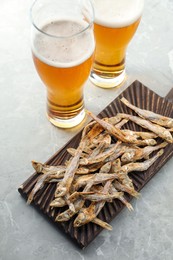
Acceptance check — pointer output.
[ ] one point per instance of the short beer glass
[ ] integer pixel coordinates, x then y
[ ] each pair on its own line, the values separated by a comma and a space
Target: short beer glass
62, 48
115, 24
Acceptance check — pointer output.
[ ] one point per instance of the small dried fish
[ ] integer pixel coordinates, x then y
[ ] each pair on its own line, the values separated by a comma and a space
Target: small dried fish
112, 190
136, 153
122, 187
43, 168
92, 179
157, 129
64, 186
102, 196
149, 115
68, 214
141, 166
112, 129
78, 203
39, 184
88, 214
100, 157
85, 215
143, 135
125, 179
82, 181
100, 178
122, 136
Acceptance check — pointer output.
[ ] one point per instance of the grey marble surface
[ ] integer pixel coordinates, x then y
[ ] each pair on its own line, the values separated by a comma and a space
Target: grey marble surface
25, 134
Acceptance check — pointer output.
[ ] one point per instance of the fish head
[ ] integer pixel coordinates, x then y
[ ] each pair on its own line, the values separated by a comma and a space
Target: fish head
60, 191
63, 217
80, 220
37, 166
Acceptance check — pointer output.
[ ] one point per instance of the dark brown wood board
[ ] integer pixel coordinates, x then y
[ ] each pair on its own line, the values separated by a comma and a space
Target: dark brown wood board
137, 94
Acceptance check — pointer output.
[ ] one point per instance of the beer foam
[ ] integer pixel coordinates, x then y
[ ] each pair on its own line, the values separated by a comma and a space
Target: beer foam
117, 13
65, 50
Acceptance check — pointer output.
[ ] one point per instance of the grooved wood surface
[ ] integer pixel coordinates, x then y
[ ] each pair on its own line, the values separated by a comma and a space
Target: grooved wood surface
139, 95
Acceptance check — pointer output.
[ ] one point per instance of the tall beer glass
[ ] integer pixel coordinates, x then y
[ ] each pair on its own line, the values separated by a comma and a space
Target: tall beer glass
62, 47
115, 24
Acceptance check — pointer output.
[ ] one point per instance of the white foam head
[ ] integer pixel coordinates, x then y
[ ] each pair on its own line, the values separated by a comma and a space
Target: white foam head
63, 51
117, 13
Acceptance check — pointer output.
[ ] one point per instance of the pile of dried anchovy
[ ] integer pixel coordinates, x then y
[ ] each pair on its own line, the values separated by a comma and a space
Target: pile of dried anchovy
98, 168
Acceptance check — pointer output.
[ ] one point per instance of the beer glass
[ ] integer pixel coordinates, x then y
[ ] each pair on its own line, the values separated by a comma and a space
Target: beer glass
62, 42
115, 24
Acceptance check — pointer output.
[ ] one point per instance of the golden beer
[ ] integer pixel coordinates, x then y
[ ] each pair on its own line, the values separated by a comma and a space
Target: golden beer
64, 87
115, 24
62, 49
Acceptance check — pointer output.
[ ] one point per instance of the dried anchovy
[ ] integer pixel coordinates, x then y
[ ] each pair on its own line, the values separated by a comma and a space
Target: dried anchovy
157, 129
78, 203
149, 115
68, 214
43, 168
143, 135
125, 179
88, 214
112, 129
141, 166
100, 178
112, 190
136, 153
82, 181
122, 187
102, 196
119, 134
100, 157
39, 184
64, 186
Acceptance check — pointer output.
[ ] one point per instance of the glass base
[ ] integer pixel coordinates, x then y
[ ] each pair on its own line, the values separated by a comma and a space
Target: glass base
67, 123
105, 82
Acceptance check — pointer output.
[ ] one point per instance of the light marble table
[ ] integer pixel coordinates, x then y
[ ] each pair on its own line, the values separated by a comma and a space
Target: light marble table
25, 134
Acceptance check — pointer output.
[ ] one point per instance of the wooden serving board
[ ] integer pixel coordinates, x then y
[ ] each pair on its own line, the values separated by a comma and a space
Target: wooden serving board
137, 94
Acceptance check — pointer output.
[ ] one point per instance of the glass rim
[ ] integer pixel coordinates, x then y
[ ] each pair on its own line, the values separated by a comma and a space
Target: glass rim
56, 36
